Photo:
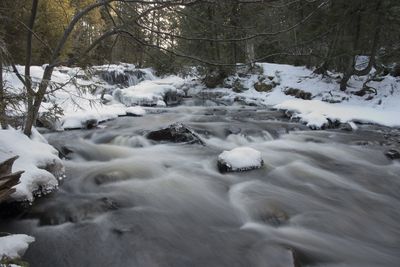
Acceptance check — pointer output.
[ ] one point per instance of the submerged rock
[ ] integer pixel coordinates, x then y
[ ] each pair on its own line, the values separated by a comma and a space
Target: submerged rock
233, 130
273, 215
392, 154
176, 133
239, 159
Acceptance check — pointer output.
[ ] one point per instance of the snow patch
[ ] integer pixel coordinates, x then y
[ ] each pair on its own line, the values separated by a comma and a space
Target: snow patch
14, 246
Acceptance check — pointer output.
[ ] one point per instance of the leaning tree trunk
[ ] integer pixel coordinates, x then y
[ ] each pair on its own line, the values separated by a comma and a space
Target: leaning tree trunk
8, 179
34, 111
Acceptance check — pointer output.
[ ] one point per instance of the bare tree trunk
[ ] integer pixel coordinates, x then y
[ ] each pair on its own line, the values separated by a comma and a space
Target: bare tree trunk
2, 100
28, 60
250, 53
34, 112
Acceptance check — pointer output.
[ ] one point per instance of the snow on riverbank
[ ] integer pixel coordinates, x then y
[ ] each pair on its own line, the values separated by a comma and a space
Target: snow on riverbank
39, 161
14, 246
89, 97
323, 101
331, 104
84, 96
317, 114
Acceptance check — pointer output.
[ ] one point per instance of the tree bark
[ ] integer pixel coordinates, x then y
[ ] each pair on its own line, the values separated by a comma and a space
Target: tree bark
2, 99
34, 111
28, 59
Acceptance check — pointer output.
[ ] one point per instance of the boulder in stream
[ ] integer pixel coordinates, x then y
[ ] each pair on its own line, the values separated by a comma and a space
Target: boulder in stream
392, 154
239, 159
176, 133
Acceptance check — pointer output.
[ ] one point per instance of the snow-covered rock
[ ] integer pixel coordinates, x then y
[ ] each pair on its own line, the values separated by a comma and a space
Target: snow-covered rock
79, 117
39, 160
150, 93
14, 246
240, 159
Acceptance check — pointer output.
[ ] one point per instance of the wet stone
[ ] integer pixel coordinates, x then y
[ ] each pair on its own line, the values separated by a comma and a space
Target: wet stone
176, 133
392, 154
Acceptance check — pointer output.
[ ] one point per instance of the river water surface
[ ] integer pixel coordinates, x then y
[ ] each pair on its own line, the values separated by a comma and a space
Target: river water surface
323, 198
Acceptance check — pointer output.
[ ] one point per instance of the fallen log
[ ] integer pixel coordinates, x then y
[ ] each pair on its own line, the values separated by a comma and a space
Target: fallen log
8, 179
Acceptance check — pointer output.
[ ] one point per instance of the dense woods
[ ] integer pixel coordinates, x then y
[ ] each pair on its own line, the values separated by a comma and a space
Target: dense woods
172, 35
316, 33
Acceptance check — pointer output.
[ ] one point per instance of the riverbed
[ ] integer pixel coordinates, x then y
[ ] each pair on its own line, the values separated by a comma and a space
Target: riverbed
322, 198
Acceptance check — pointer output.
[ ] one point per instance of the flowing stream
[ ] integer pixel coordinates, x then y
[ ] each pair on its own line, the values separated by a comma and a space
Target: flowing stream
323, 198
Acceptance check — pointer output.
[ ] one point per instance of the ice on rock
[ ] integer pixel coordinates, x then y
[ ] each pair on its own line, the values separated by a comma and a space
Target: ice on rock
240, 159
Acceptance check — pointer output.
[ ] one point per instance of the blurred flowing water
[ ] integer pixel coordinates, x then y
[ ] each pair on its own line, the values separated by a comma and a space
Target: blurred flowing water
323, 198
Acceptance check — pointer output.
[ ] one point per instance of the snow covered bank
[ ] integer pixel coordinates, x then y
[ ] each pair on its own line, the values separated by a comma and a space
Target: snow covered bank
101, 93
83, 97
14, 246
317, 114
314, 99
38, 159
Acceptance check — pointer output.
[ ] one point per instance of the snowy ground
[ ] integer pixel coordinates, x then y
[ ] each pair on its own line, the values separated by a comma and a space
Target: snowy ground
83, 94
89, 95
328, 103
